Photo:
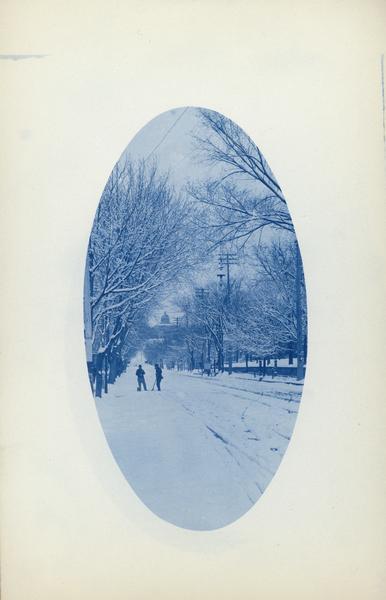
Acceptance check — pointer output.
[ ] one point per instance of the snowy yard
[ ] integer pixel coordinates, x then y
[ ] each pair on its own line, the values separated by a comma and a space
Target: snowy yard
200, 452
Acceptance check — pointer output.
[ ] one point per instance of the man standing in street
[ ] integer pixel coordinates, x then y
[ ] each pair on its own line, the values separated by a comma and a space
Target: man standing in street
158, 376
140, 373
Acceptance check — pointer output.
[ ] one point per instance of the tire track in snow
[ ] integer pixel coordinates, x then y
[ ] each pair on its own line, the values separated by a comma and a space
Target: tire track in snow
239, 464
207, 415
254, 392
256, 460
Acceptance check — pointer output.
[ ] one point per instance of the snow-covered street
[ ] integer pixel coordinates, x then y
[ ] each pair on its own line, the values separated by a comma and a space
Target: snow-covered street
200, 452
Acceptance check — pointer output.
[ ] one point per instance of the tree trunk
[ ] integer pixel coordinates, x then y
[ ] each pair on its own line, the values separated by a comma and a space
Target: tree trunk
99, 378
299, 324
106, 372
230, 362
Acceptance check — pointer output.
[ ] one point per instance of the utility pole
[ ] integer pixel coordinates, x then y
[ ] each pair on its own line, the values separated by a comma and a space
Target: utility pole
227, 259
201, 295
299, 324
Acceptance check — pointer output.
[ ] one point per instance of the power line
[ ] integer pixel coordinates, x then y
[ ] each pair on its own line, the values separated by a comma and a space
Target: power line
168, 131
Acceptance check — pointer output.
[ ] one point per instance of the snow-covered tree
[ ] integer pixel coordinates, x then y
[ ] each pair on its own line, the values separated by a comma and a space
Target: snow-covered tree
139, 244
246, 197
265, 321
241, 201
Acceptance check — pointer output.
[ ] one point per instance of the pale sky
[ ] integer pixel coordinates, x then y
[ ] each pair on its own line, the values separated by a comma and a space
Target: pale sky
169, 139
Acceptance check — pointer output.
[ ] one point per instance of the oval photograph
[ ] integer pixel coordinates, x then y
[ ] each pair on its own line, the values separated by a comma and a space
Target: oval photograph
195, 318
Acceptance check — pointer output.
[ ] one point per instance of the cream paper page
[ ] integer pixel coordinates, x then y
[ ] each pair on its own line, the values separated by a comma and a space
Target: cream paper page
304, 80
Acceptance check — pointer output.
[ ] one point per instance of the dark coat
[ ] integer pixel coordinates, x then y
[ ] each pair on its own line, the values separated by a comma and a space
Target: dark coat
140, 373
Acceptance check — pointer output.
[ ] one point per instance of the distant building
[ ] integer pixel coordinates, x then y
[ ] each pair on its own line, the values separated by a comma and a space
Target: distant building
165, 319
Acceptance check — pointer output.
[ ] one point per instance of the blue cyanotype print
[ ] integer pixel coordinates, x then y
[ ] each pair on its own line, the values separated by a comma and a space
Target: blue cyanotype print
195, 318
